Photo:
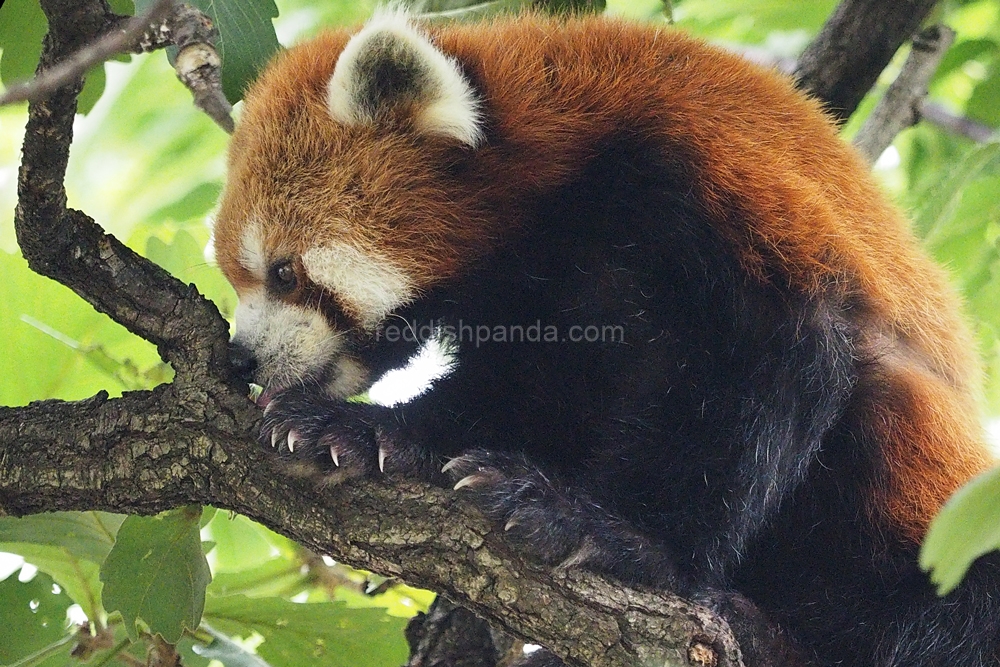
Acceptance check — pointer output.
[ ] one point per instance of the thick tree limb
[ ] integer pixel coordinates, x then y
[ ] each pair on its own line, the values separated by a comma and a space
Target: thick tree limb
855, 44
151, 451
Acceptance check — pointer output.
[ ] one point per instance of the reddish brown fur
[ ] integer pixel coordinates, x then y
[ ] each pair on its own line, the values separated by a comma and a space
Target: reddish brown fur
551, 87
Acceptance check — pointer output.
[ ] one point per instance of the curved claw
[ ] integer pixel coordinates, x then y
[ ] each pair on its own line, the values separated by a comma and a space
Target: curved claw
469, 480
334, 456
293, 437
581, 555
274, 437
381, 459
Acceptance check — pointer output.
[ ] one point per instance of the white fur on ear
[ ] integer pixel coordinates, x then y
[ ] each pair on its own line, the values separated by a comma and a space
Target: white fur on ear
390, 66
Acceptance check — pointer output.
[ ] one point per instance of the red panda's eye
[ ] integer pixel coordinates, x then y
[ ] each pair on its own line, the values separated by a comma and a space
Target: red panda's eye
282, 276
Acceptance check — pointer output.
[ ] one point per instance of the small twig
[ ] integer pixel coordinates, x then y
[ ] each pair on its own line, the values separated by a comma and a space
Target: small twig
117, 40
900, 107
935, 113
121, 646
198, 65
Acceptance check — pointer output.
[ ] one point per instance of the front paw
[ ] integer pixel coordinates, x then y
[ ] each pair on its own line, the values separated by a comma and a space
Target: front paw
339, 440
546, 520
557, 524
319, 434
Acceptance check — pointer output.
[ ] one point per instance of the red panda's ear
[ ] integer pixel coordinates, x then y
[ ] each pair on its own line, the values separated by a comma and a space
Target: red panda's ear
391, 68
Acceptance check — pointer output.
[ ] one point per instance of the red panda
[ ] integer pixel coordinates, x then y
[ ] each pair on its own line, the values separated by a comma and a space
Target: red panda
786, 396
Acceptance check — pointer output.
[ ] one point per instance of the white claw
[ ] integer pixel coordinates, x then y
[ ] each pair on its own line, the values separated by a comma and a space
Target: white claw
381, 459
451, 464
510, 524
267, 408
274, 438
333, 455
466, 481
293, 437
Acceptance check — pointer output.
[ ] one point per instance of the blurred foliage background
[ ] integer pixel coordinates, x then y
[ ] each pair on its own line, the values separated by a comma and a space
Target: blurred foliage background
149, 167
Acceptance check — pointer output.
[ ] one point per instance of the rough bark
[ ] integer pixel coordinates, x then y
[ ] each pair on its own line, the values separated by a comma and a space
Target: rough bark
151, 451
900, 107
856, 43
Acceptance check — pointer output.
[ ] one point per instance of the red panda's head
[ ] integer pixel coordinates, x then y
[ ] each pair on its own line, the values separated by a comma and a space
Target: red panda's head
338, 208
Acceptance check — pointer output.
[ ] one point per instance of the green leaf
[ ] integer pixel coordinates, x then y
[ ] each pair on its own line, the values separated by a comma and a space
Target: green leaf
157, 572
227, 651
34, 617
68, 546
184, 257
754, 21
22, 27
964, 51
241, 544
88, 535
940, 203
80, 578
324, 634
984, 105
123, 7
59, 367
277, 577
399, 600
246, 38
967, 527
195, 204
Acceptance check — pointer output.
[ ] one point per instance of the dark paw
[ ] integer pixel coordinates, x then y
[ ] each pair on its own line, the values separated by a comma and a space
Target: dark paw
339, 439
549, 522
763, 642
557, 524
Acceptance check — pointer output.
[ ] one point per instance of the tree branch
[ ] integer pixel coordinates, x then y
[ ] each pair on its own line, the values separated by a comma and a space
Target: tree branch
855, 44
934, 113
69, 247
118, 38
151, 451
900, 107
163, 24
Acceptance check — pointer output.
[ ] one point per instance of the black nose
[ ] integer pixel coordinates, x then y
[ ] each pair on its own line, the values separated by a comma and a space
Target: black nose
242, 361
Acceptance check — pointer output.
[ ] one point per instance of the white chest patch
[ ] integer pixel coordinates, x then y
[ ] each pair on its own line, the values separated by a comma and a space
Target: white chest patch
367, 283
434, 360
